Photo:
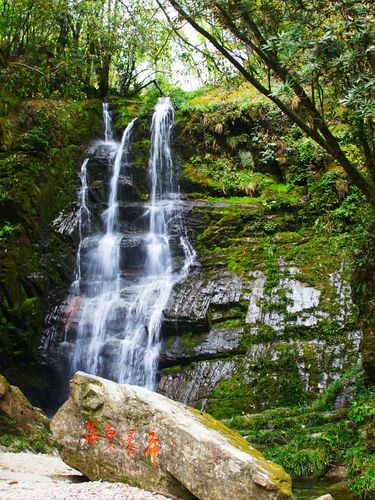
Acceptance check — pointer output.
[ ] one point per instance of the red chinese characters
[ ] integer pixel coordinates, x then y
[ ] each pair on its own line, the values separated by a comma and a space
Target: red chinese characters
110, 434
129, 445
153, 448
91, 433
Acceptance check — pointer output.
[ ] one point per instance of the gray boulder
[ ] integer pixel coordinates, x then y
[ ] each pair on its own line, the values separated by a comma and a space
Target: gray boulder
126, 433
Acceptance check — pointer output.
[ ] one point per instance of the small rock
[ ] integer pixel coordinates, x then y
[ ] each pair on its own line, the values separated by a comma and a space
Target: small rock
14, 405
340, 472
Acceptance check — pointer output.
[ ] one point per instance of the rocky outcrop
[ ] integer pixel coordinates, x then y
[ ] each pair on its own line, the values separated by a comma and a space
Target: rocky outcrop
194, 385
18, 415
259, 338
189, 304
130, 434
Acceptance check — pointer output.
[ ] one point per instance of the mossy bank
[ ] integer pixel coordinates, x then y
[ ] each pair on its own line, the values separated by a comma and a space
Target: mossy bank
41, 144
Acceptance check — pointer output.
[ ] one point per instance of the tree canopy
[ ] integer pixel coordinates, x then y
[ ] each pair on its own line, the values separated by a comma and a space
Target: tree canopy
314, 60
79, 47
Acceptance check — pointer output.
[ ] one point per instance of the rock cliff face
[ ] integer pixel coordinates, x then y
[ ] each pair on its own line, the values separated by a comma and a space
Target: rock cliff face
265, 318
261, 323
168, 447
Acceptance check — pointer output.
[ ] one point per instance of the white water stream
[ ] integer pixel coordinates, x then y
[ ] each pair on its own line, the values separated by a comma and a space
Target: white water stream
120, 312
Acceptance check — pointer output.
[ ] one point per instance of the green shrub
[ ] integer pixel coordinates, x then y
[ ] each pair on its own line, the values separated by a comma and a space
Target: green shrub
300, 462
304, 157
323, 191
6, 230
363, 485
35, 140
363, 410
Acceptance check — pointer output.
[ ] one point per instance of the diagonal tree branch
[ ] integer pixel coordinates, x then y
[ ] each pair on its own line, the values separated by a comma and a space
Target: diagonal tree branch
320, 133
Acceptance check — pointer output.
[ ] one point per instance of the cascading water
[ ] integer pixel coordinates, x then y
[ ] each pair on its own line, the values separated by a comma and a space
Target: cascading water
107, 119
104, 266
137, 359
84, 218
124, 276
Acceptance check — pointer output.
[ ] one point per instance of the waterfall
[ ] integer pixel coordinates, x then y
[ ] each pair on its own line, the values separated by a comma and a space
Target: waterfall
111, 214
104, 271
137, 359
125, 272
107, 119
84, 217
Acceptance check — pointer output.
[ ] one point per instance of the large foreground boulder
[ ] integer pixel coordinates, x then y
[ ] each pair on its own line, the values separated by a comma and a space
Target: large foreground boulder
130, 434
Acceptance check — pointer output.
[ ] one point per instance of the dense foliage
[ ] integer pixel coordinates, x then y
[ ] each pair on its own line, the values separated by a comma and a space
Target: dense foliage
309, 440
75, 48
314, 60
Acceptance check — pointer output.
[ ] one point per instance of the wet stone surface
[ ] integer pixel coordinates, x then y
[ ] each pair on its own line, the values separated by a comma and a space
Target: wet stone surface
194, 385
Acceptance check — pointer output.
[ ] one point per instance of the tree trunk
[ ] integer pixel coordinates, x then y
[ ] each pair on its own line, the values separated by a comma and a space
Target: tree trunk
104, 76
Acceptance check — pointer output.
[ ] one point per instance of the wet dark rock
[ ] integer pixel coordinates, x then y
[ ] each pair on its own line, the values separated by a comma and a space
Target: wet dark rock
188, 306
55, 324
133, 251
117, 319
66, 223
99, 170
127, 190
100, 160
216, 343
64, 352
194, 384
133, 215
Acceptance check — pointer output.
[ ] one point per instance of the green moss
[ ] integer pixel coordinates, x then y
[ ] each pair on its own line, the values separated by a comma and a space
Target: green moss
236, 440
131, 481
172, 370
39, 178
189, 340
233, 437
14, 443
308, 440
169, 342
229, 323
237, 200
219, 98
123, 111
271, 379
230, 397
